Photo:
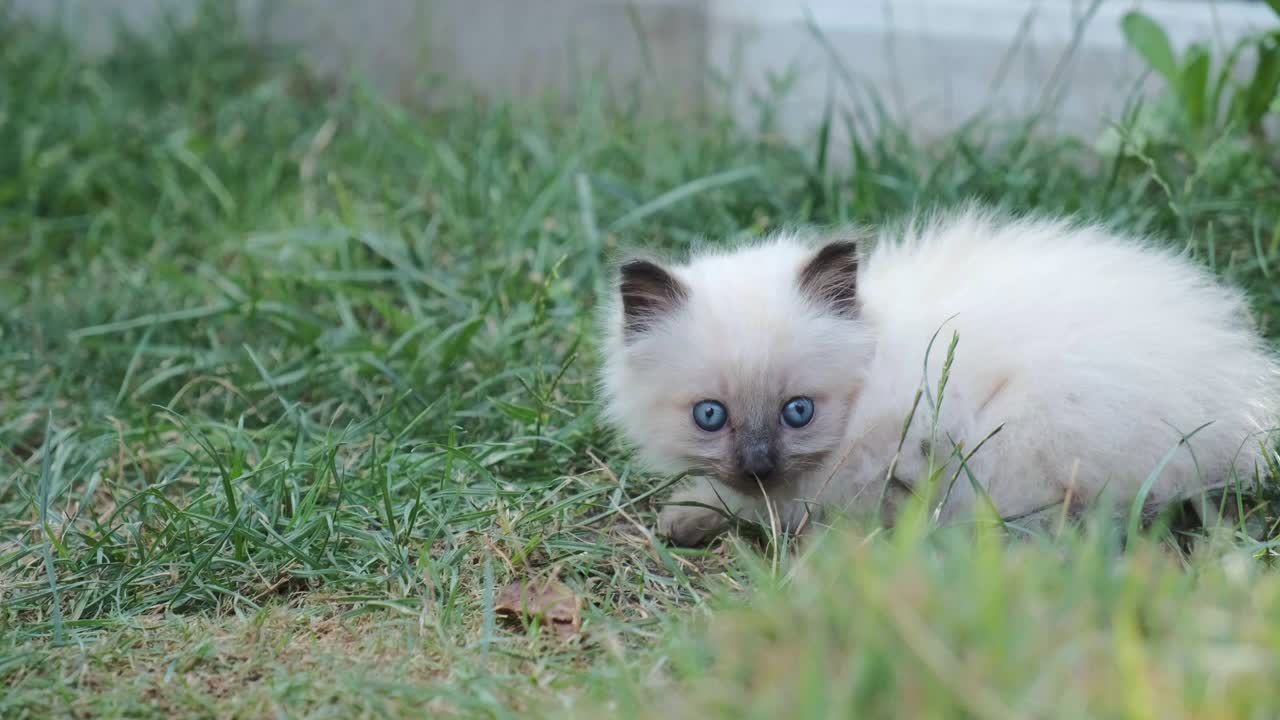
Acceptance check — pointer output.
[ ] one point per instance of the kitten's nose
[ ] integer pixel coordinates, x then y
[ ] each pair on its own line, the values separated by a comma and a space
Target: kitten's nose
758, 461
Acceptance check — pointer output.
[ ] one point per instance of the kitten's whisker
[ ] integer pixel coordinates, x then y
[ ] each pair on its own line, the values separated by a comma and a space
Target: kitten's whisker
844, 457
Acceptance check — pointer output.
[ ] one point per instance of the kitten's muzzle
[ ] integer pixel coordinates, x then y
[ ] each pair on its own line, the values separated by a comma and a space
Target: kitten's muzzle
757, 461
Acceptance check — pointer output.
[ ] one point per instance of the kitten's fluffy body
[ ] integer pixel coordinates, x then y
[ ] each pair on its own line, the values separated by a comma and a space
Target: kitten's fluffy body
1095, 353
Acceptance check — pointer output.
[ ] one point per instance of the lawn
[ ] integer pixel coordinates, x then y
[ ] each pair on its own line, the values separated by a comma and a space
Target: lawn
296, 380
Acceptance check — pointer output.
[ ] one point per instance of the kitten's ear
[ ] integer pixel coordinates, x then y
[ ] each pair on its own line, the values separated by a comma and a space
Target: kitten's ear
648, 292
831, 277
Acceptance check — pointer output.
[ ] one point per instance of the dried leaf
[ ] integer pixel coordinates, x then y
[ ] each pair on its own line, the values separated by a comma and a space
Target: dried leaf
550, 602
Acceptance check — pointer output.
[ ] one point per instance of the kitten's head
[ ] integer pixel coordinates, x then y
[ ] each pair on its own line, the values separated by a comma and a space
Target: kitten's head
740, 365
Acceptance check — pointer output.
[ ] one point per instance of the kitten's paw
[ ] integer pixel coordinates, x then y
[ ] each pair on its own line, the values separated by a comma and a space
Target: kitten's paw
689, 526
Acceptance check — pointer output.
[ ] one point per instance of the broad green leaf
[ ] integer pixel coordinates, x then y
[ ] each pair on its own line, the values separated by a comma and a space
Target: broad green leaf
1224, 79
1192, 86
1151, 42
1266, 81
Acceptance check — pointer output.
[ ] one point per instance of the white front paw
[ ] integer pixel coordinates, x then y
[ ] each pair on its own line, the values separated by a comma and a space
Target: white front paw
689, 525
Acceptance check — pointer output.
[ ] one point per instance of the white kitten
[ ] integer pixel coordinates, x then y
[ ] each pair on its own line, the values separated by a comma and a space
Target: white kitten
781, 373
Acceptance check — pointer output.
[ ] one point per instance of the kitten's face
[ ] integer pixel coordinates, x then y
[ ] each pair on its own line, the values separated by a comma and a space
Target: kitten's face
740, 366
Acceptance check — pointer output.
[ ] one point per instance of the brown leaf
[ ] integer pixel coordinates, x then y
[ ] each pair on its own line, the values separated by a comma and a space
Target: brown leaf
550, 602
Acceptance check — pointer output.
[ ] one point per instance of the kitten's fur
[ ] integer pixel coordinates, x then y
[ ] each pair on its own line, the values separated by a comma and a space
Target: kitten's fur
1096, 353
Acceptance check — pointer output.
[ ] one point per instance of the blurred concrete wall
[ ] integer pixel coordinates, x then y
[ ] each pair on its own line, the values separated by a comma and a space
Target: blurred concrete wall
500, 47
935, 63
939, 63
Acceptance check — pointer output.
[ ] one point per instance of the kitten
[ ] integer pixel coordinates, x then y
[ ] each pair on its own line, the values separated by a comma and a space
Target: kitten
781, 373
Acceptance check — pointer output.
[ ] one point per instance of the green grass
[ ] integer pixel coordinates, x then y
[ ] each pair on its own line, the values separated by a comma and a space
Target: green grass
293, 381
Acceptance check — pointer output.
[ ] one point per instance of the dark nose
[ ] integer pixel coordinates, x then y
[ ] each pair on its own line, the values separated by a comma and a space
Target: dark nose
758, 461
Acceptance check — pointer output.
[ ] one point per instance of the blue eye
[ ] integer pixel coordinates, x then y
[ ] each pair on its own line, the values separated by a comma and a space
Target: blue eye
710, 415
798, 412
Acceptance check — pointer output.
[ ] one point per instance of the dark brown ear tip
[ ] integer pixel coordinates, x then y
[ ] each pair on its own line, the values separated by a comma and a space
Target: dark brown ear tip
838, 248
831, 276
642, 269
648, 291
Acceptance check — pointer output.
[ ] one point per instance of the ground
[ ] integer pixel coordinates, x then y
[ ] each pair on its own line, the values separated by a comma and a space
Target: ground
296, 380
